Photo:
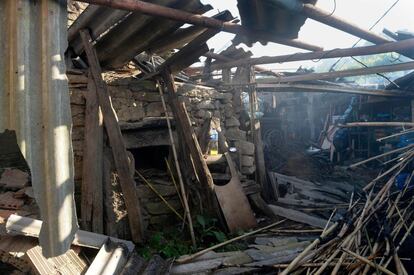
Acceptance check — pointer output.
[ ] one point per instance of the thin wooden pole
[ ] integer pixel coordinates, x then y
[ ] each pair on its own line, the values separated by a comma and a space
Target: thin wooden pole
202, 252
178, 169
116, 141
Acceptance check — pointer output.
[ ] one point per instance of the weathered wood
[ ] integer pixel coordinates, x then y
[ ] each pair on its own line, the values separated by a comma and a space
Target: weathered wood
335, 53
298, 216
346, 73
185, 259
117, 144
234, 204
91, 195
183, 122
110, 217
310, 88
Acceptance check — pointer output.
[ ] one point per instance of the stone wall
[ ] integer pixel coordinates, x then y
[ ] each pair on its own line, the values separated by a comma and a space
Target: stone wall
137, 102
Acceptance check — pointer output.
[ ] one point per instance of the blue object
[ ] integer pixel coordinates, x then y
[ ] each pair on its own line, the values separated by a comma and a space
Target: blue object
401, 179
406, 140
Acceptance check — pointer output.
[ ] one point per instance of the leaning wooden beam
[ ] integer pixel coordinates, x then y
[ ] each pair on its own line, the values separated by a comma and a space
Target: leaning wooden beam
396, 135
19, 225
334, 53
183, 122
311, 88
117, 144
332, 75
198, 20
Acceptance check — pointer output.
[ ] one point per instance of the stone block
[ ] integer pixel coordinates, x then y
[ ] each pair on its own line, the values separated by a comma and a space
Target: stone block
160, 208
246, 148
248, 170
247, 160
234, 134
232, 122
154, 109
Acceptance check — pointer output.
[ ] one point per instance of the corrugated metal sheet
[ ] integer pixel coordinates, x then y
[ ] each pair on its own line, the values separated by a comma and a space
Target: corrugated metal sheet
132, 34
34, 101
266, 16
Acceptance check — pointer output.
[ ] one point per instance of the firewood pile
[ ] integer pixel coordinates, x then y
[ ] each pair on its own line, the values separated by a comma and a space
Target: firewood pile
372, 233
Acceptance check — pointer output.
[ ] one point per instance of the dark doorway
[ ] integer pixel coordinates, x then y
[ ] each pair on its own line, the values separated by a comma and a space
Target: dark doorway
151, 157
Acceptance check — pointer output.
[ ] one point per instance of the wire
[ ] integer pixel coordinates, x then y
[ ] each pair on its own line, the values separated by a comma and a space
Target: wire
359, 40
333, 11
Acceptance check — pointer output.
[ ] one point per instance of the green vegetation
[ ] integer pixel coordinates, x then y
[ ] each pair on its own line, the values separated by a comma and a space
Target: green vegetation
172, 243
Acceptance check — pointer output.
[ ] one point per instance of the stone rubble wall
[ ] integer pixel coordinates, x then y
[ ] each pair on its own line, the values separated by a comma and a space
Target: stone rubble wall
136, 101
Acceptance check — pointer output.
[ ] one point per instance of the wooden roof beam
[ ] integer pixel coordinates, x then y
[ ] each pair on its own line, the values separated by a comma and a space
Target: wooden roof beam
198, 20
312, 88
335, 53
346, 73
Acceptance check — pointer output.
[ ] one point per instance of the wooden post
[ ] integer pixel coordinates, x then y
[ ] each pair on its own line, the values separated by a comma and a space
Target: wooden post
183, 122
117, 143
261, 177
91, 195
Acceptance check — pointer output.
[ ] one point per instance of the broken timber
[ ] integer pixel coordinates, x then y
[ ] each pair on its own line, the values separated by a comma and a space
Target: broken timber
92, 192
117, 144
190, 138
233, 201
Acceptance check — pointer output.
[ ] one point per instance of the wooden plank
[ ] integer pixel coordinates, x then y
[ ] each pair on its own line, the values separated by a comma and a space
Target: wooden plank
110, 216
334, 53
91, 192
346, 73
234, 203
298, 216
183, 122
117, 144
310, 88
19, 225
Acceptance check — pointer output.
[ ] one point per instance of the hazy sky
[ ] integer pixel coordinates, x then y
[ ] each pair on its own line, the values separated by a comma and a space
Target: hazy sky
364, 13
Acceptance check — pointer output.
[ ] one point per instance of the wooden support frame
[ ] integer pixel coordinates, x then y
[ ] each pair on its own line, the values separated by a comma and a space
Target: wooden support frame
190, 138
127, 182
334, 53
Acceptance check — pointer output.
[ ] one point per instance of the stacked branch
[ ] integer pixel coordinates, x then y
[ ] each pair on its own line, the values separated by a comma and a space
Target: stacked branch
370, 236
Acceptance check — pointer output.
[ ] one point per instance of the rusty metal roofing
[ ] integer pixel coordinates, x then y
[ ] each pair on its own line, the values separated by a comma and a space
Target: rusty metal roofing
34, 102
121, 35
266, 16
